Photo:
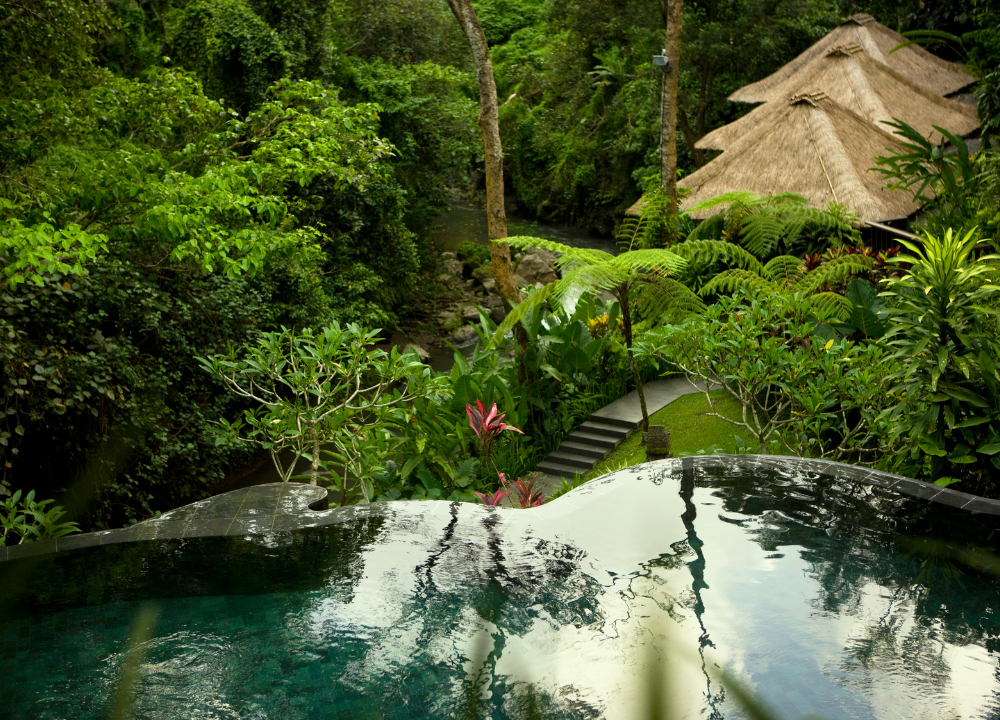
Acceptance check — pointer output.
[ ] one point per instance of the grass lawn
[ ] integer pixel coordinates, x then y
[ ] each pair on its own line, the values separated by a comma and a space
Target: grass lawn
690, 428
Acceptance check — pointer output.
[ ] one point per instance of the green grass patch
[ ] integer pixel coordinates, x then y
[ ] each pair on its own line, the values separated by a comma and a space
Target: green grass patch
690, 426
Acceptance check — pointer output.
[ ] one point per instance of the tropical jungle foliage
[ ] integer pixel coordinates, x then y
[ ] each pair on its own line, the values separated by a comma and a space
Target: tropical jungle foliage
182, 177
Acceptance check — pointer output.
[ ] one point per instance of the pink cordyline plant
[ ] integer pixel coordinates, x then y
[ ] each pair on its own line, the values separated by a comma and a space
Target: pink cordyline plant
487, 426
527, 493
492, 499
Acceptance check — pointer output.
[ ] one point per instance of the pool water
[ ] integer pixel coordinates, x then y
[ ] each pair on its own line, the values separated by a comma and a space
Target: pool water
801, 586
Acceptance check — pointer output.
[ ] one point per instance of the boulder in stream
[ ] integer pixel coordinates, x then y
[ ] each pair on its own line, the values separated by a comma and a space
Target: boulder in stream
535, 270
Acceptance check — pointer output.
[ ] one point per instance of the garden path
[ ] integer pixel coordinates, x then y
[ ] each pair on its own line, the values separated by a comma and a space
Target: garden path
605, 429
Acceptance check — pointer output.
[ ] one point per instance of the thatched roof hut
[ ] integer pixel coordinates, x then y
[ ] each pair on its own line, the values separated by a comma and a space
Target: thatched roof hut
912, 62
870, 89
813, 146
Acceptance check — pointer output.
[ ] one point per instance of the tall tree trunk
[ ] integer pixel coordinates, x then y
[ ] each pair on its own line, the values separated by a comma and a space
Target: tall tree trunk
668, 113
314, 467
489, 123
627, 321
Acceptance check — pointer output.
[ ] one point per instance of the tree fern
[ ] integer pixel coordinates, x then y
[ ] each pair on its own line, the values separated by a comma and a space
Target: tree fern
784, 270
703, 251
729, 281
642, 274
830, 305
836, 272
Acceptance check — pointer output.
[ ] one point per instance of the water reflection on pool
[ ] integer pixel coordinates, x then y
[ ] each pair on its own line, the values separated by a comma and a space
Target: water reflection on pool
792, 581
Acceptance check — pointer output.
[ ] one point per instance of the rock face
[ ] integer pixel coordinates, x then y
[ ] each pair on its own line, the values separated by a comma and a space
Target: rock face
534, 269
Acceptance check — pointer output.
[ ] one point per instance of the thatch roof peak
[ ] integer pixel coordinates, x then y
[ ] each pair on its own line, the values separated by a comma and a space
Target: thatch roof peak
813, 146
873, 91
912, 62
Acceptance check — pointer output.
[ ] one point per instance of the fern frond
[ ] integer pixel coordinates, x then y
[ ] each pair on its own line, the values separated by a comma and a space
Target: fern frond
705, 251
784, 269
567, 254
649, 260
836, 272
662, 297
631, 230
761, 232
519, 311
709, 229
740, 197
730, 281
828, 305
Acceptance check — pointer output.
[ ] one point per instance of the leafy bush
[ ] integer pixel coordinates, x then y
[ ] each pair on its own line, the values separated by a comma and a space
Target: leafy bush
27, 520
946, 382
800, 393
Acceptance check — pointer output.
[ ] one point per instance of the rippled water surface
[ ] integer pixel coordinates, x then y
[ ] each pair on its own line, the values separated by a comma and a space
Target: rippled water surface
799, 586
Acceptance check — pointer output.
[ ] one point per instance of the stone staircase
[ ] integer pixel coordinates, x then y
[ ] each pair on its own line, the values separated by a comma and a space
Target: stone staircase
586, 446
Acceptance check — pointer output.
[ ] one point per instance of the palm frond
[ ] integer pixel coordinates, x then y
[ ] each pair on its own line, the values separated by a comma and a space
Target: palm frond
729, 281
706, 251
784, 269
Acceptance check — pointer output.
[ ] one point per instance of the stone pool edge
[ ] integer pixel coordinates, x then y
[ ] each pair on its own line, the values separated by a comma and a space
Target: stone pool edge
281, 507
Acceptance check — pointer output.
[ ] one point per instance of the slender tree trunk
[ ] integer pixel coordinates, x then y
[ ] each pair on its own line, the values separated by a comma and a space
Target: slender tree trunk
314, 470
489, 123
668, 113
627, 318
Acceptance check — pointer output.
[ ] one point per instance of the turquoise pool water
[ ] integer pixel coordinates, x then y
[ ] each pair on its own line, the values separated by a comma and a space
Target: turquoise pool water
803, 587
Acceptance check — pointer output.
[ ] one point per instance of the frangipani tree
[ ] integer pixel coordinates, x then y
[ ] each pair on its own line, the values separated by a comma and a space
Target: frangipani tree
639, 279
326, 392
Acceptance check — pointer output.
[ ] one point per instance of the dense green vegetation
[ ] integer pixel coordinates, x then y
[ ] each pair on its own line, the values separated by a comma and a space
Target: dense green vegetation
185, 179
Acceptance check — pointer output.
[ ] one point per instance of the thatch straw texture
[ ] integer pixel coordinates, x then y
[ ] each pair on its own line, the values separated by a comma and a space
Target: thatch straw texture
865, 86
913, 62
815, 147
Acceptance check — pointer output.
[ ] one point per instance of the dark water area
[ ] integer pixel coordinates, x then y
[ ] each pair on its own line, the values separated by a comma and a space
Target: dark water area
799, 584
464, 223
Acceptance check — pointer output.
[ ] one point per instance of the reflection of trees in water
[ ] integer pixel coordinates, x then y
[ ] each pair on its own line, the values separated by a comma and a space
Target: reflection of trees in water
909, 597
471, 591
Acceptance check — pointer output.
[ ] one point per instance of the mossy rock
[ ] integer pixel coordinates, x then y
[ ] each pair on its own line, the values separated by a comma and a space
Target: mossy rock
483, 273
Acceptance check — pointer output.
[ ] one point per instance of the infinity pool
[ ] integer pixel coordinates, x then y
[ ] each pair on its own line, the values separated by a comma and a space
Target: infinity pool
805, 587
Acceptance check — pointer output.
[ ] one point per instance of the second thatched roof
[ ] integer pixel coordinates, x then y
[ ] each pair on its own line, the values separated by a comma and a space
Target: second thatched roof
813, 146
912, 62
865, 86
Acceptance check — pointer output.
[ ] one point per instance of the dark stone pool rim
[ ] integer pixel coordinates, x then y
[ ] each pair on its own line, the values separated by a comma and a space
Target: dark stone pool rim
282, 507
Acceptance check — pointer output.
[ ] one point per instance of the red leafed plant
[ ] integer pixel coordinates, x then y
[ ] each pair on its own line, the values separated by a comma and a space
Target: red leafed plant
527, 493
487, 425
494, 498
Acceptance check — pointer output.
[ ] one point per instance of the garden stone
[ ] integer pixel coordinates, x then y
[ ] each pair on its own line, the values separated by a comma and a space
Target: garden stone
535, 270
465, 335
494, 301
422, 354
490, 285
498, 314
454, 267
449, 256
469, 284
470, 313
657, 441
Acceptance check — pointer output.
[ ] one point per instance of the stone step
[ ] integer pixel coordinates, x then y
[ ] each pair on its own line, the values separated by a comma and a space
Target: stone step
583, 449
629, 425
565, 458
558, 470
600, 428
602, 442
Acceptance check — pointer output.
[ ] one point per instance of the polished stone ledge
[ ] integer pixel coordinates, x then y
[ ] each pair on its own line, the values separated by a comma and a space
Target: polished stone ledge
282, 507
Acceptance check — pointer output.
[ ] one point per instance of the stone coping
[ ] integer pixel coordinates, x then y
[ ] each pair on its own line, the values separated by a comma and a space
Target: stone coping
277, 507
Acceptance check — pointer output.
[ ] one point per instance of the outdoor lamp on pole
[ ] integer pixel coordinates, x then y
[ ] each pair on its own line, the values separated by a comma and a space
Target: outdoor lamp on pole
661, 60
